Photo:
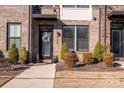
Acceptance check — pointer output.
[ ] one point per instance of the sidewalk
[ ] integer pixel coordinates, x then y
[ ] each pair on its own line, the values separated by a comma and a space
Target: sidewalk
40, 76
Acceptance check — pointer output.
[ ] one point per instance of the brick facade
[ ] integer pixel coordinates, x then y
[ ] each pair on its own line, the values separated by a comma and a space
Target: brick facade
21, 14
14, 14
93, 32
109, 9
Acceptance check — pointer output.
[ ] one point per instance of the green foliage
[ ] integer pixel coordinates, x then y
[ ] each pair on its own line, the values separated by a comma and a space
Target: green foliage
64, 49
13, 54
87, 58
23, 55
108, 59
98, 53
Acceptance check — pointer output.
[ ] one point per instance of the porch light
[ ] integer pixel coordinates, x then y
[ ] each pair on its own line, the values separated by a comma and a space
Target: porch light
58, 34
94, 18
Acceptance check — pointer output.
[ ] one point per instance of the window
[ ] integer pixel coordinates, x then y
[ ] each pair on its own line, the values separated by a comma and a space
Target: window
69, 6
82, 38
68, 36
82, 6
76, 37
14, 36
36, 9
75, 6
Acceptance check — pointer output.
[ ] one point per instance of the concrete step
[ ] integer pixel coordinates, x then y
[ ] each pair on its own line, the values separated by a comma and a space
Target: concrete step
48, 61
119, 58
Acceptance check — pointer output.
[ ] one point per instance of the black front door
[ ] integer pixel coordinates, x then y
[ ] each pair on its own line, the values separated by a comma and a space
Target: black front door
116, 38
116, 42
45, 42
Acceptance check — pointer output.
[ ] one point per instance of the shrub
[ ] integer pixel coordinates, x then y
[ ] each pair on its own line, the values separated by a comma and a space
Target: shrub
98, 53
64, 49
108, 59
70, 59
23, 55
106, 48
1, 54
75, 56
13, 54
87, 58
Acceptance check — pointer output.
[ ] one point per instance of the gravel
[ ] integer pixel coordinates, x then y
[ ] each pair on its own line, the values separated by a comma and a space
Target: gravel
89, 76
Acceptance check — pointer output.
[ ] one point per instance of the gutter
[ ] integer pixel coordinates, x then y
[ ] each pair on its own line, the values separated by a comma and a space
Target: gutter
105, 9
29, 35
100, 24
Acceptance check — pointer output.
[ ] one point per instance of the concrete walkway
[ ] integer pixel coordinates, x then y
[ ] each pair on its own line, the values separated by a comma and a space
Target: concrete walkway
120, 62
40, 76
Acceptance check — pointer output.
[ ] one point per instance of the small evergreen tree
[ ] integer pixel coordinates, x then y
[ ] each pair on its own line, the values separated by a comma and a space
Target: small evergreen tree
13, 54
98, 52
23, 55
64, 49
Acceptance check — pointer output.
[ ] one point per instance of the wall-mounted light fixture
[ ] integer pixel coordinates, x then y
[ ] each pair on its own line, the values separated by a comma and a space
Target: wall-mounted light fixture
58, 35
94, 18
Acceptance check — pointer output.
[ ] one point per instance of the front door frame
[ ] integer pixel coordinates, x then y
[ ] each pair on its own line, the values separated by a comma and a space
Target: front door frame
120, 38
40, 41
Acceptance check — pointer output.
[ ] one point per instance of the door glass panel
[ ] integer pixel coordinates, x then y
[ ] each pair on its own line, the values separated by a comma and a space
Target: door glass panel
46, 44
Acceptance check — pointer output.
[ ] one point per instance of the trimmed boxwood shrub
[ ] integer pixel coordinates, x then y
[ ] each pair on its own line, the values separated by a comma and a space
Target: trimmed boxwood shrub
23, 55
87, 58
108, 59
64, 49
98, 53
70, 59
13, 54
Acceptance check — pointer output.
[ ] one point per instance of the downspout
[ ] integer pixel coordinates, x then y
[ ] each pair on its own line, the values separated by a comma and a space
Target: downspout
99, 24
29, 36
105, 7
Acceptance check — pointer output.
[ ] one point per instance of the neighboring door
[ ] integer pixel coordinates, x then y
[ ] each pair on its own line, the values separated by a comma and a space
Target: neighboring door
45, 42
116, 42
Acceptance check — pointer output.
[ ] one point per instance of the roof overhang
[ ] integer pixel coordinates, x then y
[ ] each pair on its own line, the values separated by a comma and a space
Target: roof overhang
116, 14
44, 16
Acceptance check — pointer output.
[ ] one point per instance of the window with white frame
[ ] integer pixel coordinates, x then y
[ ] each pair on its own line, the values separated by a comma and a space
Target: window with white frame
68, 6
75, 6
76, 37
14, 35
76, 12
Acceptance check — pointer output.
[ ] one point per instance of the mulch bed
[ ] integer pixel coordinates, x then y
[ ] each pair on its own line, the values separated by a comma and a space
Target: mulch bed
101, 67
88, 76
8, 74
